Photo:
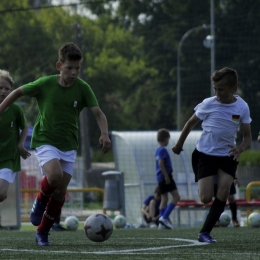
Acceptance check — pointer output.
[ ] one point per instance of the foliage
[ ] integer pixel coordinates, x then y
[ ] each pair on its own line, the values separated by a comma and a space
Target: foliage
249, 158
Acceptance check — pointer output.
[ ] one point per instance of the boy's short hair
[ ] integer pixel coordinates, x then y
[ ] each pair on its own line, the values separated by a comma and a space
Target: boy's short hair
69, 51
162, 135
157, 190
227, 74
5, 75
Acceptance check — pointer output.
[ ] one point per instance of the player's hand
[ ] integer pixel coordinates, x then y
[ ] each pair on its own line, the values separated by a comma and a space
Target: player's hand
105, 142
23, 152
236, 182
235, 151
167, 180
177, 149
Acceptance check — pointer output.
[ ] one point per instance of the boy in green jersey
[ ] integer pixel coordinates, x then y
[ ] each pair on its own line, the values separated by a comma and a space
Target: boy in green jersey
60, 99
11, 139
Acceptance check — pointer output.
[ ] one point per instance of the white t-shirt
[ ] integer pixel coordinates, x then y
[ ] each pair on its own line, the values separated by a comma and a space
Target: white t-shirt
220, 124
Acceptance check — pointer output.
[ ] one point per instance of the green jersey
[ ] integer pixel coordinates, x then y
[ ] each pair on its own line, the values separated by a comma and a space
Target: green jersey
59, 110
12, 121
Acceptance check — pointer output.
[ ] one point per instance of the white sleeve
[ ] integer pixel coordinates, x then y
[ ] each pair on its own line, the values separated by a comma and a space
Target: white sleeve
246, 119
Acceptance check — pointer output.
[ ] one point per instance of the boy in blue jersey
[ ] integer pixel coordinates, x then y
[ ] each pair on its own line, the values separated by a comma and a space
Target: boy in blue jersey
164, 178
60, 99
150, 208
13, 132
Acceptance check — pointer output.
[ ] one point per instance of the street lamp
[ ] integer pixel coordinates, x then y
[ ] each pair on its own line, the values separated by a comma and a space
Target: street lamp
184, 37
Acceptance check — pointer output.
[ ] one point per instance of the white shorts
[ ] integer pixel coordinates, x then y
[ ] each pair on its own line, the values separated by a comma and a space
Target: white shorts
45, 153
8, 175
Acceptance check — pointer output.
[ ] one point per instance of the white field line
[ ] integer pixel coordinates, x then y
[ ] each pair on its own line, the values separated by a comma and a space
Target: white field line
126, 251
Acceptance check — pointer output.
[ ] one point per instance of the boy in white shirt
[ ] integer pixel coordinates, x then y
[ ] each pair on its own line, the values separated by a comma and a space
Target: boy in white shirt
222, 115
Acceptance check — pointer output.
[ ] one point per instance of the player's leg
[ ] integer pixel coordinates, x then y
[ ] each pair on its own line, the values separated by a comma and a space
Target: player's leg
207, 169
53, 209
224, 183
4, 186
152, 212
7, 177
172, 189
233, 205
53, 175
217, 224
56, 199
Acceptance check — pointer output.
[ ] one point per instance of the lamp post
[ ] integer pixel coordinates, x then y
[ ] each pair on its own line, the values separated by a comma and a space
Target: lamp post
184, 37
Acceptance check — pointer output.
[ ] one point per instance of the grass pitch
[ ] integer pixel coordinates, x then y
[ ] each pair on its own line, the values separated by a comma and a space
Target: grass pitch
152, 244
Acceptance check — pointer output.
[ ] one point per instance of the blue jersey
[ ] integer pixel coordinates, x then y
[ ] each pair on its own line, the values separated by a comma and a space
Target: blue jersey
162, 154
149, 198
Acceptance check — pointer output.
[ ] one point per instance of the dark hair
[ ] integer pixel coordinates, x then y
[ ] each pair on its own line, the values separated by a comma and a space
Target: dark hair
226, 74
157, 190
162, 134
69, 51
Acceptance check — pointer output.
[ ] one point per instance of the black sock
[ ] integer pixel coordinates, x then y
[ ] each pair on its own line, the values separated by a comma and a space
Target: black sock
233, 208
215, 211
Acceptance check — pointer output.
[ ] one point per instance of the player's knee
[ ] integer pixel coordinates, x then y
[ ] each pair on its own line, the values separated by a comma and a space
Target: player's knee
3, 196
205, 199
152, 203
55, 180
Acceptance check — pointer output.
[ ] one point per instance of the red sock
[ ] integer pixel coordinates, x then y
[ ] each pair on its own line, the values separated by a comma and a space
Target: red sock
46, 190
50, 215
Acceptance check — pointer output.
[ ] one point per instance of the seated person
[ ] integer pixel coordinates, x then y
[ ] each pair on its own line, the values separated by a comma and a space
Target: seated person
150, 209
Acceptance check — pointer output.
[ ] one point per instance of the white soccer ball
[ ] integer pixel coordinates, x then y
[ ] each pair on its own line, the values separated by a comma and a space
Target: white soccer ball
224, 219
98, 227
71, 223
254, 219
119, 221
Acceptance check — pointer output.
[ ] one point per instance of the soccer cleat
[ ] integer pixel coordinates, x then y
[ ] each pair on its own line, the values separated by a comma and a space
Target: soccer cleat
42, 238
161, 226
235, 223
206, 238
58, 227
152, 225
165, 222
38, 209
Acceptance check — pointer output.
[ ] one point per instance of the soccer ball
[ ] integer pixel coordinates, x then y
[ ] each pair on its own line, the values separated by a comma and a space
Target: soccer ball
254, 219
71, 222
98, 227
224, 219
119, 221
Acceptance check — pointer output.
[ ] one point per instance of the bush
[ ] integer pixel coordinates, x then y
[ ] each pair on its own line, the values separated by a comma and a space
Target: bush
249, 158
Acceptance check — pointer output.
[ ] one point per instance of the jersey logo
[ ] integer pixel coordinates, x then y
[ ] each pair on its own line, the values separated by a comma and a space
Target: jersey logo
235, 118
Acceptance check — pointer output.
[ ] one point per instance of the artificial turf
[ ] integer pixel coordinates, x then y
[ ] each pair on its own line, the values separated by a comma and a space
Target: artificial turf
143, 243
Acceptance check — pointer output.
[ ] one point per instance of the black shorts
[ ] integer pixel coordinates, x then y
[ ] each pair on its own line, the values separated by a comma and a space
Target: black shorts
207, 165
164, 188
231, 192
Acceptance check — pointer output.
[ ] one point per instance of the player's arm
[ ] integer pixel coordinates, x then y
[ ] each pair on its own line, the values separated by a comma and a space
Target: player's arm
144, 211
185, 132
11, 98
103, 126
23, 152
247, 138
163, 170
